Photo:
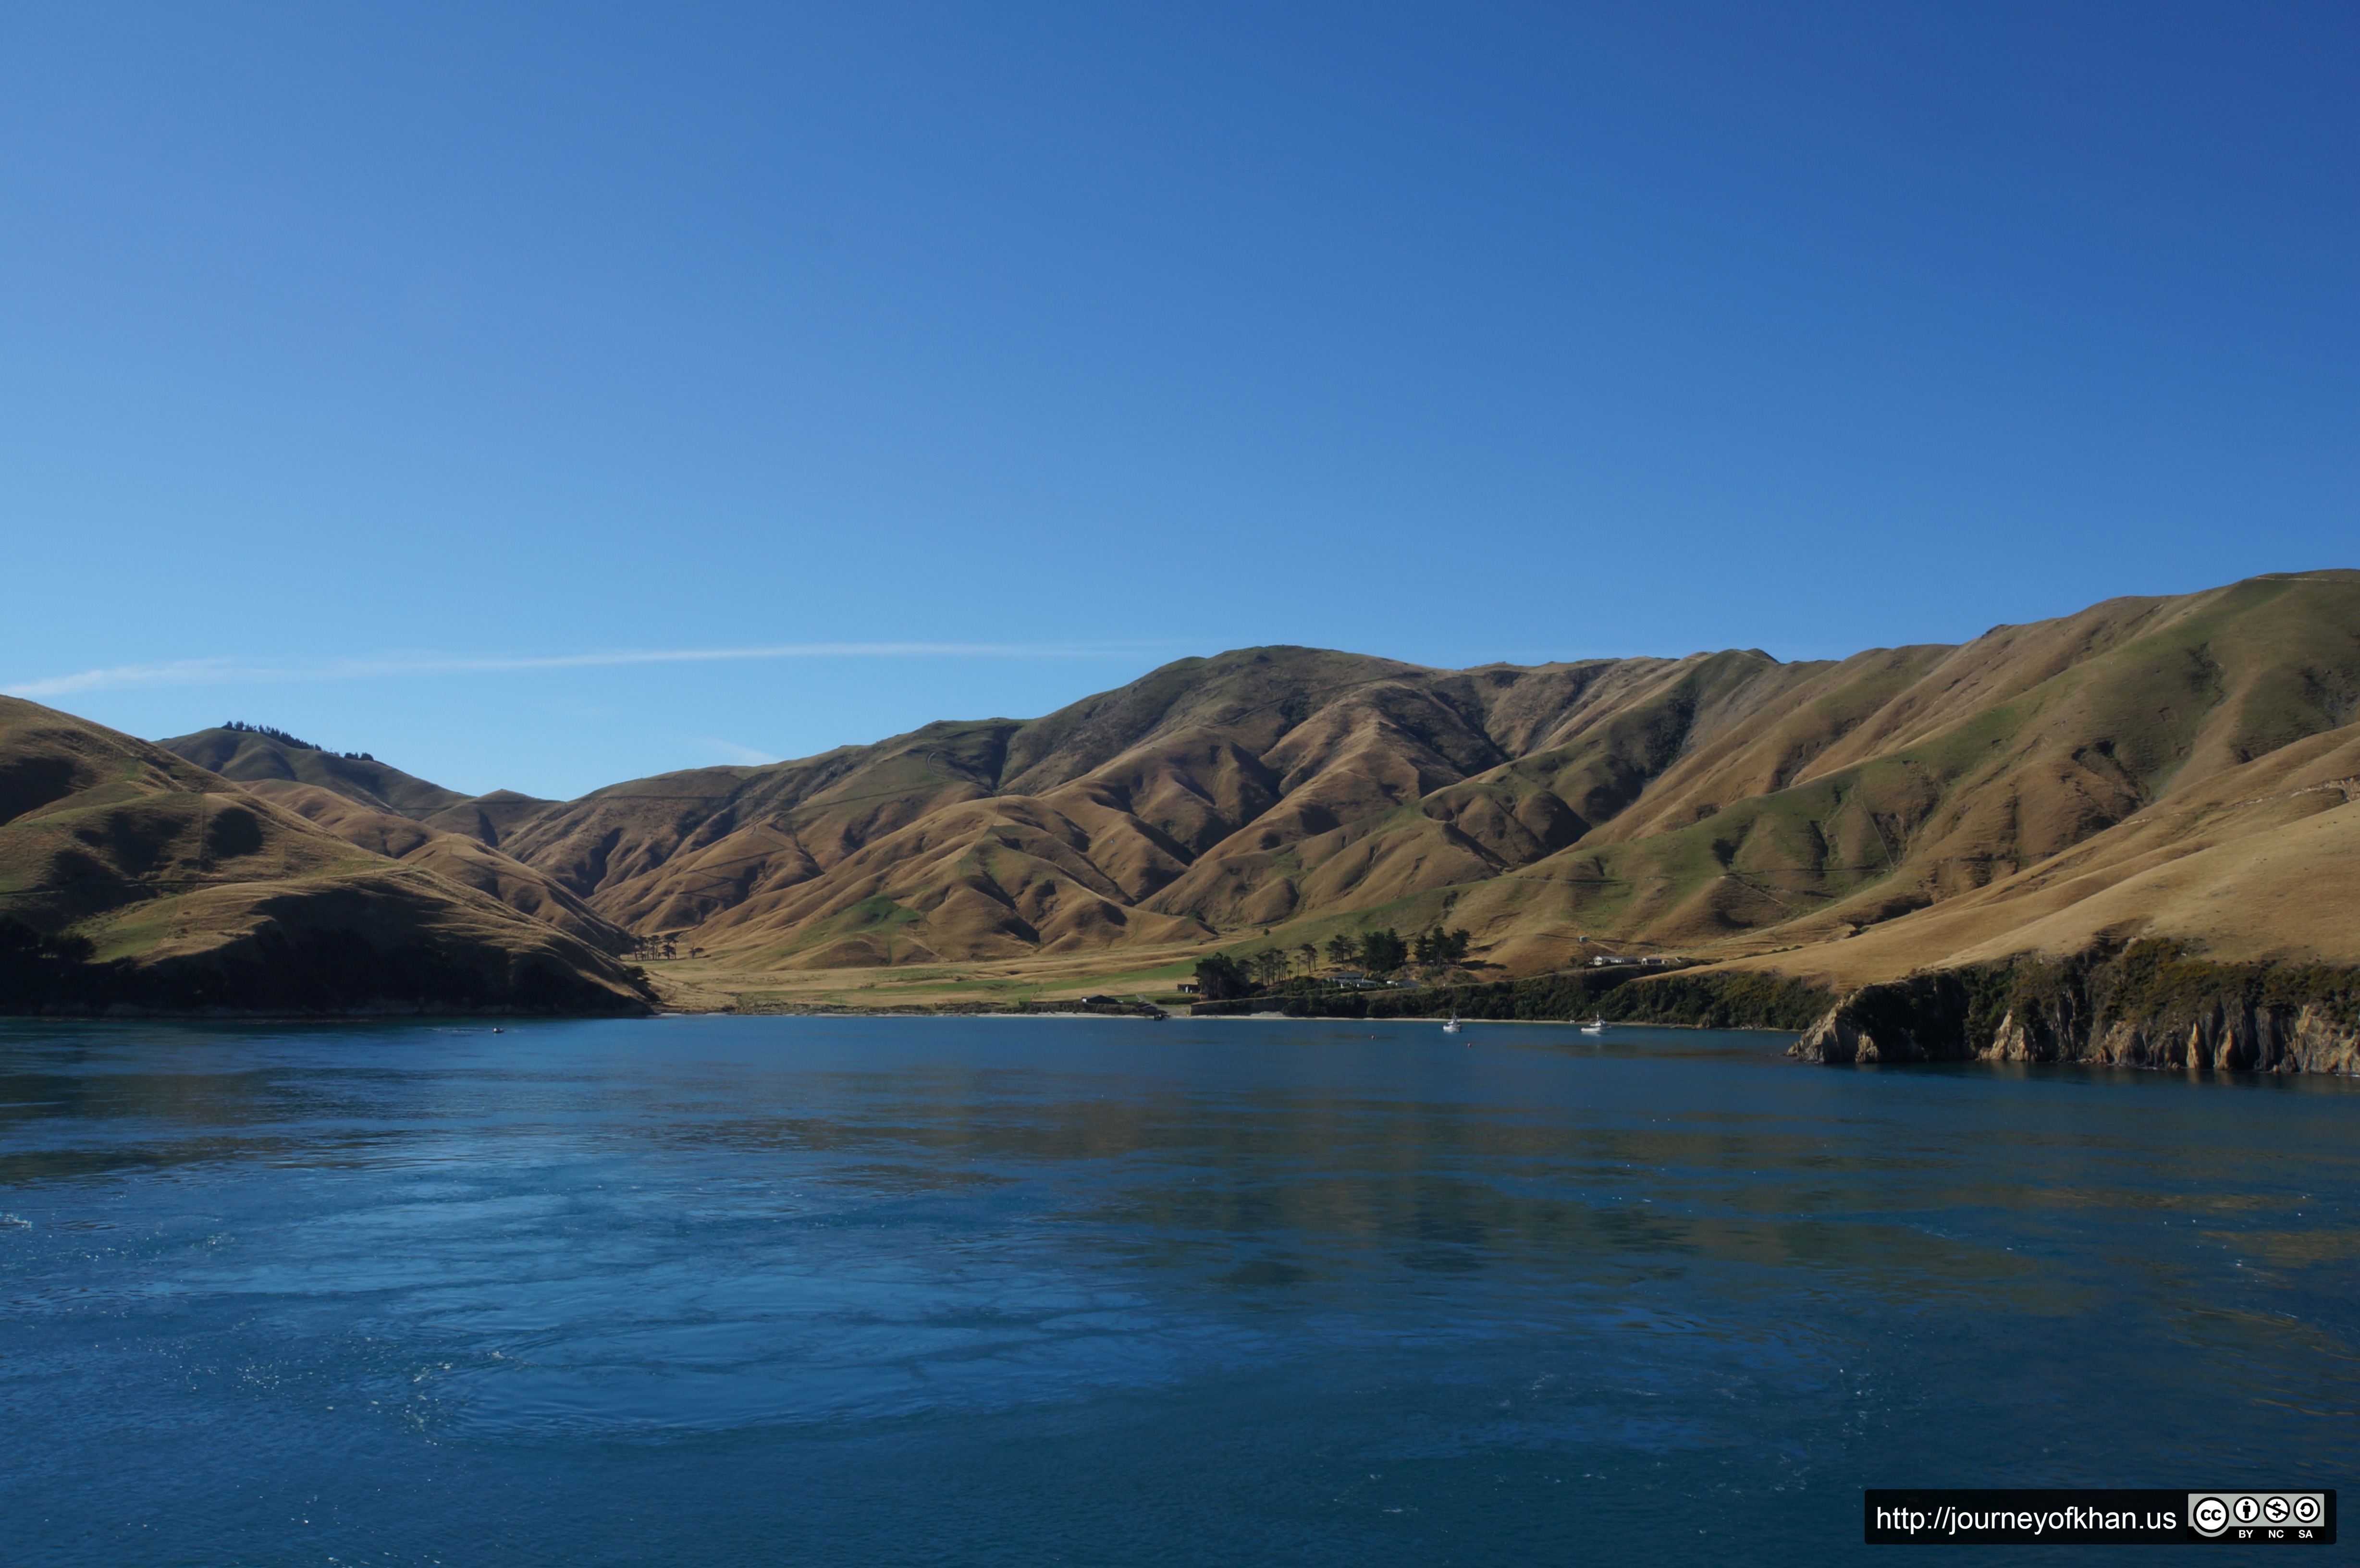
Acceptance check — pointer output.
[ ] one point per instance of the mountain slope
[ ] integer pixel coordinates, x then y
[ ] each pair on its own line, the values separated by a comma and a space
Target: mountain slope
1718, 803
390, 813
1837, 818
456, 857
154, 884
2259, 863
2014, 748
248, 756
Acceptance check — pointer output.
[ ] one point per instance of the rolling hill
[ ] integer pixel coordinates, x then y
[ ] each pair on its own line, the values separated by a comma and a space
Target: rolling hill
2164, 767
388, 813
133, 880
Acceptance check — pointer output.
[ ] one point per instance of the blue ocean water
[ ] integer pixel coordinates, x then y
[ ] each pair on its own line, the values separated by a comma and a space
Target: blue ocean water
983, 1291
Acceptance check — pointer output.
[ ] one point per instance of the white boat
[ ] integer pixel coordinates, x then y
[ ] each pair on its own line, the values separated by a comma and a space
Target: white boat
1452, 1027
1597, 1025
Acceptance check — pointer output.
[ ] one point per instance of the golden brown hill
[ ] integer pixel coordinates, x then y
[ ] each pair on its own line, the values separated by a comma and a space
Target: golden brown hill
267, 761
2016, 747
1836, 818
456, 856
986, 840
248, 756
390, 813
132, 878
2258, 864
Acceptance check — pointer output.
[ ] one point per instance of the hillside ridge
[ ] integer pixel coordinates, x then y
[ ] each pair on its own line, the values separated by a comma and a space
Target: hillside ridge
135, 881
1848, 819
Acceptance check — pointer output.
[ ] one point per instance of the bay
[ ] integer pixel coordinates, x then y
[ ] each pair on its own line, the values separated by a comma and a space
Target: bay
988, 1291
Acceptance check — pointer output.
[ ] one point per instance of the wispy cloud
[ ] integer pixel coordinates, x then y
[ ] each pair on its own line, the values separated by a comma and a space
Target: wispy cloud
745, 756
230, 671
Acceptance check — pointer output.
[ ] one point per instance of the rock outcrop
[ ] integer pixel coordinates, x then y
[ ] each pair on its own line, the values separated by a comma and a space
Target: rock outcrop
1922, 1018
2307, 1039
2148, 1006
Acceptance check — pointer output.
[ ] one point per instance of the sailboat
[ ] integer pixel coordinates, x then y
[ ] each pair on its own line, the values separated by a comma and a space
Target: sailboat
1597, 1025
1452, 1027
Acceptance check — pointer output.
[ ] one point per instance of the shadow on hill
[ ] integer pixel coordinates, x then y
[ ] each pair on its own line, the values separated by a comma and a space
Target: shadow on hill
279, 972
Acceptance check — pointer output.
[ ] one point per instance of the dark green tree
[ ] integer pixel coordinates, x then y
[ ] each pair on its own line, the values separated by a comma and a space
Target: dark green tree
1220, 978
1382, 952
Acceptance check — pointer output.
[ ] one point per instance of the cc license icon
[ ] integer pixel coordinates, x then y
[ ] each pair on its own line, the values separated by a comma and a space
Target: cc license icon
2210, 1515
2306, 1511
2248, 1509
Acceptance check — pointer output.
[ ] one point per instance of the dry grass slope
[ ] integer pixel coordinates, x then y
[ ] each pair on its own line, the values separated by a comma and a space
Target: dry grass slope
2163, 767
179, 891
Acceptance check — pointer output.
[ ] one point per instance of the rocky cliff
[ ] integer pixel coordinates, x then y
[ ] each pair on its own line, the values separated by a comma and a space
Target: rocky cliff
2149, 1004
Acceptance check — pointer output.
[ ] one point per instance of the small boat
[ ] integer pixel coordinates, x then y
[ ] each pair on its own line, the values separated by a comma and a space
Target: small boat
1452, 1027
1597, 1025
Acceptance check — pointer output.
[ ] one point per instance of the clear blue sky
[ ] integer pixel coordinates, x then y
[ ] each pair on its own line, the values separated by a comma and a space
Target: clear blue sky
409, 376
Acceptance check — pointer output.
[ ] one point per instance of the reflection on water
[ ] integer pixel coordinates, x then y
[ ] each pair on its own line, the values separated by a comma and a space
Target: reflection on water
990, 1291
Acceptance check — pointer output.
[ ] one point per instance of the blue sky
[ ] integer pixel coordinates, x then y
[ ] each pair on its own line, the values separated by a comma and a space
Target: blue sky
539, 396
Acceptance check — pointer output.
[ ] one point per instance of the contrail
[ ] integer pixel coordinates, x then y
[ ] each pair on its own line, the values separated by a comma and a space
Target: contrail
230, 671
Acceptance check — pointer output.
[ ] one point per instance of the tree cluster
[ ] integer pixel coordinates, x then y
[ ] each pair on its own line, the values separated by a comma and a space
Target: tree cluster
283, 738
1383, 951
1268, 967
665, 946
1436, 946
1221, 977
